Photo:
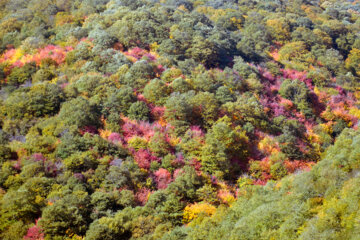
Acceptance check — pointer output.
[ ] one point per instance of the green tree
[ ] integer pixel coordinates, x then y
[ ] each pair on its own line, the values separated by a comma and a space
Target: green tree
5, 153
40, 100
119, 101
206, 107
221, 145
87, 84
203, 51
159, 145
45, 99
140, 28
186, 184
67, 216
20, 75
156, 91
297, 92
139, 111
256, 38
224, 95
292, 130
353, 61
27, 202
139, 74
43, 75
180, 85
178, 111
81, 161
247, 108
103, 203
79, 112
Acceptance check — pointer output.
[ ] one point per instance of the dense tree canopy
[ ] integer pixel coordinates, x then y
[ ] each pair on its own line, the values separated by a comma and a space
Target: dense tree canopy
179, 119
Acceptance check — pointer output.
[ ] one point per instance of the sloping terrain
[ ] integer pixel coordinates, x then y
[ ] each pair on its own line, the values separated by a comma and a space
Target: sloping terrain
184, 119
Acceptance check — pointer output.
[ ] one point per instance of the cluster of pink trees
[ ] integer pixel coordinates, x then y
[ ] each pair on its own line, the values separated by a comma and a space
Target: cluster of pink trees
17, 58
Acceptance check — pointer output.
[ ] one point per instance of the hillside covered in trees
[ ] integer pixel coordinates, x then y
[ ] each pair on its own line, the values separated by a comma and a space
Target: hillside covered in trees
179, 119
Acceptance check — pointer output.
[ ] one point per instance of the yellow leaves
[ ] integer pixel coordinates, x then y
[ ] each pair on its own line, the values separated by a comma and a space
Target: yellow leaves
327, 127
226, 197
278, 185
193, 211
174, 141
39, 199
54, 80
104, 133
316, 91
212, 13
237, 22
72, 236
198, 3
12, 56
173, 28
301, 229
274, 54
310, 11
355, 112
137, 143
145, 172
21, 153
77, 237
154, 46
340, 113
9, 25
357, 95
18, 54
328, 115
172, 74
353, 60
149, 183
183, 8
268, 145
244, 181
312, 137
292, 50
162, 122
50, 129
62, 18
279, 29
131, 59
323, 36
205, 10
26, 58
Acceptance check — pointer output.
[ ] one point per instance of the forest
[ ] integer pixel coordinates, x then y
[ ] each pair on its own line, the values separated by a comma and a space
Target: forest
179, 119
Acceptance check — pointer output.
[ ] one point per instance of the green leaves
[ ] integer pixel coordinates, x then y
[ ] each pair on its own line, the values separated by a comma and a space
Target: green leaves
67, 216
20, 75
156, 91
40, 100
139, 111
78, 162
221, 145
79, 112
203, 51
297, 92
